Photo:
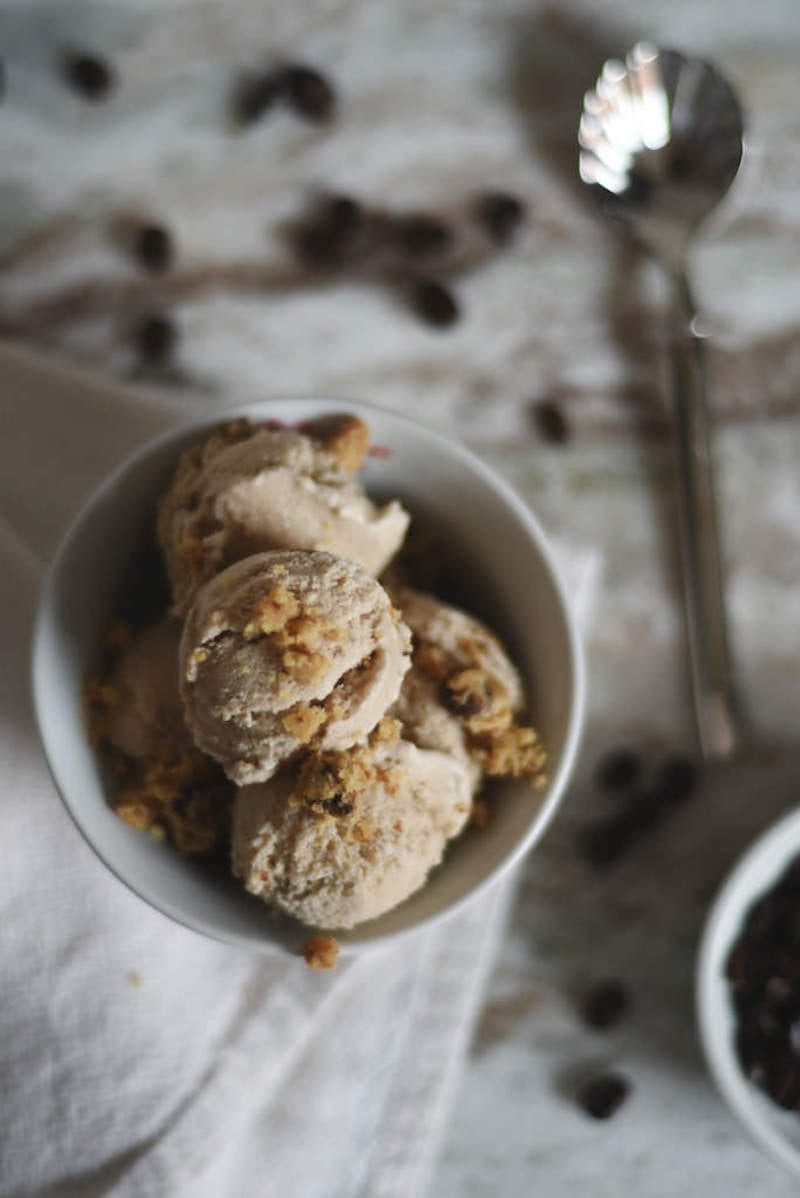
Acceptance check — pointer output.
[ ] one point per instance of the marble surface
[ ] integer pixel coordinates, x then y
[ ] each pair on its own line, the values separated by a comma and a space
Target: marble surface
436, 101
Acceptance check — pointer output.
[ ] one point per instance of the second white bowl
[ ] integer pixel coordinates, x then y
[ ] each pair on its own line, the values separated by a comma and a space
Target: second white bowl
774, 1130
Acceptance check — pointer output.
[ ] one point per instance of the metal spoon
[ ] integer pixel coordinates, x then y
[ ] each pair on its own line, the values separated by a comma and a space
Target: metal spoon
661, 139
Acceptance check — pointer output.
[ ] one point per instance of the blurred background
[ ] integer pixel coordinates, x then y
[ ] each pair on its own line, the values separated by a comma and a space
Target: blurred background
165, 220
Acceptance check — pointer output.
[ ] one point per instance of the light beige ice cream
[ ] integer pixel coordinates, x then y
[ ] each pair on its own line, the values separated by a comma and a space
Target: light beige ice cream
246, 489
284, 650
344, 840
146, 717
429, 724
463, 695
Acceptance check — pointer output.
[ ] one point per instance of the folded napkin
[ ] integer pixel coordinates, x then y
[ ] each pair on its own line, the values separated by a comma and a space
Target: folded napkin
137, 1058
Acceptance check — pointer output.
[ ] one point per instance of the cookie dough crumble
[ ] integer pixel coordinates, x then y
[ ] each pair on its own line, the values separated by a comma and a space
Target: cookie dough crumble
303, 721
479, 699
386, 732
321, 952
348, 442
272, 614
482, 705
514, 752
330, 783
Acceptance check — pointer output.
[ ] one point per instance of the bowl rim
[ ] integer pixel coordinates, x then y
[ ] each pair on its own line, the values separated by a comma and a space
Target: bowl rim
742, 886
450, 446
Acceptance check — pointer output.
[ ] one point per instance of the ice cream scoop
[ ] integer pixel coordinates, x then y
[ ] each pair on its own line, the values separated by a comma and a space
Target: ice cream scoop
284, 650
146, 718
463, 695
349, 836
249, 488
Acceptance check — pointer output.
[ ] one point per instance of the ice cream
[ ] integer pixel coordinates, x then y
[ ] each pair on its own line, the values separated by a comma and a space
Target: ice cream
165, 784
284, 651
247, 488
463, 695
358, 723
429, 724
349, 836
145, 719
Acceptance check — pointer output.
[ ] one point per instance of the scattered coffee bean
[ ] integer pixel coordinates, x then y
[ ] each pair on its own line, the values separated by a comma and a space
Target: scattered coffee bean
641, 814
618, 770
605, 1005
604, 1096
605, 841
434, 304
152, 246
551, 422
88, 74
420, 235
327, 237
309, 93
318, 245
342, 212
676, 779
500, 214
155, 337
255, 94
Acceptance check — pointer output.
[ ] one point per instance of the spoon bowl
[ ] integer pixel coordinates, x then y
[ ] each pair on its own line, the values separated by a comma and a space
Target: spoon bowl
661, 138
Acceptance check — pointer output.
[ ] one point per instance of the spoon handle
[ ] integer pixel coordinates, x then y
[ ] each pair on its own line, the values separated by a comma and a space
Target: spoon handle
715, 706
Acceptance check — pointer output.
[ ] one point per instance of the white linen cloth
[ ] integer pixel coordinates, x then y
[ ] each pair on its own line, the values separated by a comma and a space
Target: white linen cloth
138, 1059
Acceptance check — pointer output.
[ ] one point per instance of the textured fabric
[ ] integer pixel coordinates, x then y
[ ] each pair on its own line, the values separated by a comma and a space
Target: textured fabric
138, 1059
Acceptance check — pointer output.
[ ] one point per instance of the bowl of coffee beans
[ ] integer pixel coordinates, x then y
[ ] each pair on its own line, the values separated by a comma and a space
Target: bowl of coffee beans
748, 991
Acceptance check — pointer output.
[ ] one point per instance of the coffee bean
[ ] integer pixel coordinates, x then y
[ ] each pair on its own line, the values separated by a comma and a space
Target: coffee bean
640, 814
783, 1083
605, 841
762, 920
676, 779
152, 245
757, 1074
549, 418
327, 237
605, 1005
736, 964
604, 1096
434, 304
778, 990
500, 214
254, 94
155, 337
309, 93
89, 75
421, 235
342, 213
790, 881
618, 769
318, 245
765, 1022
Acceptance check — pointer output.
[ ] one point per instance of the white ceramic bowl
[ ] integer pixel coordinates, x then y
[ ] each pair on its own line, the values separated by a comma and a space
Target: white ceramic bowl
488, 527
775, 1130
